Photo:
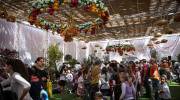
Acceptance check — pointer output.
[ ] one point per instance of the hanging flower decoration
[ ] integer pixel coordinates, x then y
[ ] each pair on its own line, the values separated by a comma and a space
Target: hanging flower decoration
120, 48
53, 6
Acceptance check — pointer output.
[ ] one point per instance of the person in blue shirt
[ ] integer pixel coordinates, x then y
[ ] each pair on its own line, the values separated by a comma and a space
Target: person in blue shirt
44, 94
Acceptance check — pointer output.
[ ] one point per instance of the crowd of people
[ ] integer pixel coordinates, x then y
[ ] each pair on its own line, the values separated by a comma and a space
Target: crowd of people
121, 81
98, 81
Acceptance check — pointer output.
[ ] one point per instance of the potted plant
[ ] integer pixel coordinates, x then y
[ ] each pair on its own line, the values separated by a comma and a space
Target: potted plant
54, 55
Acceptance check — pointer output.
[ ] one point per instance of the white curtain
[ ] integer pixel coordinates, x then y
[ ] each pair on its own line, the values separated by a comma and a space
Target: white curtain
141, 49
29, 41
171, 48
32, 42
82, 53
7, 35
70, 48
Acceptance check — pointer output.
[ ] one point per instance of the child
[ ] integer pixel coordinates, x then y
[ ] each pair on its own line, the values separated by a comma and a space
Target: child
128, 90
164, 92
43, 94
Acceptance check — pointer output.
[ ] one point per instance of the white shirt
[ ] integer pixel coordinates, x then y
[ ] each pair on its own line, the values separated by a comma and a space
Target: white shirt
69, 77
104, 83
17, 85
166, 92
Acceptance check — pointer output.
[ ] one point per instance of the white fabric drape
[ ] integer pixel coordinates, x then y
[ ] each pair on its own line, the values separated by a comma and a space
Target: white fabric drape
32, 42
7, 34
141, 49
29, 41
169, 48
70, 48
81, 53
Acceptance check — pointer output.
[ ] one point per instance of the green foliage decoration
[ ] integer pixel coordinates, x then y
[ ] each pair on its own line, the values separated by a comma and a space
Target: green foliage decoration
54, 54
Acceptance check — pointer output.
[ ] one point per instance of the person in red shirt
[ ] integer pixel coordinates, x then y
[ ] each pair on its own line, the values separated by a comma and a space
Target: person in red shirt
154, 74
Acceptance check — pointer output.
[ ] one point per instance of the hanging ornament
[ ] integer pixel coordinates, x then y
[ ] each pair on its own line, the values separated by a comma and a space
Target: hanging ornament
104, 16
158, 34
35, 12
74, 3
157, 42
51, 10
87, 7
120, 52
93, 30
93, 8
47, 27
84, 47
153, 39
56, 5
31, 20
164, 41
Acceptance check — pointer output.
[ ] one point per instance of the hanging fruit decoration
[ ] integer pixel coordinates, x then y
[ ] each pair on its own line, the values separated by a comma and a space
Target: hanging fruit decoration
164, 41
120, 48
56, 5
84, 47
52, 7
157, 42
158, 34
153, 39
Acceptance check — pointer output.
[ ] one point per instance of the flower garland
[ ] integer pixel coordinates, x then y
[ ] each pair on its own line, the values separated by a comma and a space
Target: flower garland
52, 6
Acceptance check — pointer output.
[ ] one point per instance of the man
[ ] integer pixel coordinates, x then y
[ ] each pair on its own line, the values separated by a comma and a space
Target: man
38, 78
95, 76
154, 74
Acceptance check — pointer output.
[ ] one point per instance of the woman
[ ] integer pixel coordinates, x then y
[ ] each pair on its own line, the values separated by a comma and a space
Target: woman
128, 90
18, 79
164, 92
38, 78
